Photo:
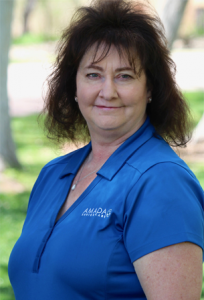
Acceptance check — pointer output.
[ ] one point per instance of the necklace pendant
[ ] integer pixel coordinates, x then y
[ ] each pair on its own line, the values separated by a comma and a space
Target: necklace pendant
73, 187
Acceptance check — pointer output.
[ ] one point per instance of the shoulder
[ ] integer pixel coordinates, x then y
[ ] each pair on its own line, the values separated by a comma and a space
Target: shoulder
155, 155
163, 174
165, 183
167, 202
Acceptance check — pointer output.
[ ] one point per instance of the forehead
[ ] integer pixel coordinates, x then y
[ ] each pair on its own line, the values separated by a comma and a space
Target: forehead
103, 52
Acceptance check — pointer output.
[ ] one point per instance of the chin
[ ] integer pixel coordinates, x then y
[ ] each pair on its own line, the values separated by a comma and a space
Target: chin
109, 127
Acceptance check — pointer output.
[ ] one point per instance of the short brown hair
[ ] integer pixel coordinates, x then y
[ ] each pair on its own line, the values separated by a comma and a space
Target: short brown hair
130, 26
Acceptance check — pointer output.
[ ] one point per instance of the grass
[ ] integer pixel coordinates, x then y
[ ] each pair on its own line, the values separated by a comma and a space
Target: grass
32, 38
196, 104
33, 148
34, 151
195, 101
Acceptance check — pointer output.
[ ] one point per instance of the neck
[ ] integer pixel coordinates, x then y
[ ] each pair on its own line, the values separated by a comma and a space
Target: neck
103, 148
104, 143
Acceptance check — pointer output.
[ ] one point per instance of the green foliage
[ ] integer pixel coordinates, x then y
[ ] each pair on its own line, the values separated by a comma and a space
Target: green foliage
34, 151
33, 148
197, 32
195, 101
198, 170
32, 38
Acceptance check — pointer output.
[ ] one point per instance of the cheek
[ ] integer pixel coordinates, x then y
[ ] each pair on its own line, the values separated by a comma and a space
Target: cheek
132, 90
87, 93
79, 86
134, 96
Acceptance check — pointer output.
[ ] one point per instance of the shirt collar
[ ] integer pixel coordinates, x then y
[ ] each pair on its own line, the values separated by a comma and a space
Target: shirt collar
117, 159
75, 160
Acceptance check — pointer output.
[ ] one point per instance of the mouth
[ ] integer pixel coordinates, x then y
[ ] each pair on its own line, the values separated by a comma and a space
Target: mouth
107, 107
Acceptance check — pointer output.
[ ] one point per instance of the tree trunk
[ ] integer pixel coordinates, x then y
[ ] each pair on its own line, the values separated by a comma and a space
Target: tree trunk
7, 147
30, 4
171, 17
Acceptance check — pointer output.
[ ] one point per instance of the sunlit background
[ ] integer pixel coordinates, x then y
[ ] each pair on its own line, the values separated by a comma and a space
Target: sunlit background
35, 31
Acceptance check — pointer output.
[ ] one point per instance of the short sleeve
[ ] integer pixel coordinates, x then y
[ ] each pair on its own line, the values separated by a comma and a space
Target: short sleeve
165, 207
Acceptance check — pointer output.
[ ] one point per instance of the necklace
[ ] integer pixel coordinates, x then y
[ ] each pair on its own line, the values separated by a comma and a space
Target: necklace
74, 185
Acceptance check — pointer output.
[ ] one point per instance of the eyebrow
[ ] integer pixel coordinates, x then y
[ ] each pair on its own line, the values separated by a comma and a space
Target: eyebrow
92, 66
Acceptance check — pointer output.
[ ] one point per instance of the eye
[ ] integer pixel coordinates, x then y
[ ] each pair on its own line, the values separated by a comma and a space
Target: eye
125, 76
92, 75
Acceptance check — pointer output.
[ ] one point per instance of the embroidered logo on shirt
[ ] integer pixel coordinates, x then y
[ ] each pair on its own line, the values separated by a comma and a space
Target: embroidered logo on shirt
97, 212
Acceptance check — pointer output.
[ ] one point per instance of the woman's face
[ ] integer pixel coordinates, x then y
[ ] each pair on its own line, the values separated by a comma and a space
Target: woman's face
111, 97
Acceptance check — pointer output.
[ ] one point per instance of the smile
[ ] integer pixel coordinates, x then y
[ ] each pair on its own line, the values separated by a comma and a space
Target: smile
107, 107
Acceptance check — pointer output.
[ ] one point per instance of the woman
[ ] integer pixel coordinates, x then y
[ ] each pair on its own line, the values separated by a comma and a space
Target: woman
122, 217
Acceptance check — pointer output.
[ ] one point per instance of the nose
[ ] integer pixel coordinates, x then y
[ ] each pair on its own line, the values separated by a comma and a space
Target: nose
108, 90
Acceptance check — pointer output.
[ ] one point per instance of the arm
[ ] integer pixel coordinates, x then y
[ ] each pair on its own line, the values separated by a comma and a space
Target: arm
171, 273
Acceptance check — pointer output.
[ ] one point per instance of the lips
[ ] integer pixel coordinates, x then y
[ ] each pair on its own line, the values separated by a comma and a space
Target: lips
107, 107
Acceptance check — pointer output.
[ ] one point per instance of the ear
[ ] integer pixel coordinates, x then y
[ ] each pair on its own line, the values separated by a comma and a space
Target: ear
149, 89
149, 95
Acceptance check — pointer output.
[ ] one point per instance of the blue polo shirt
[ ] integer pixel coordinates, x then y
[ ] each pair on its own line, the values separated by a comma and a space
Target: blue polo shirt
144, 198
